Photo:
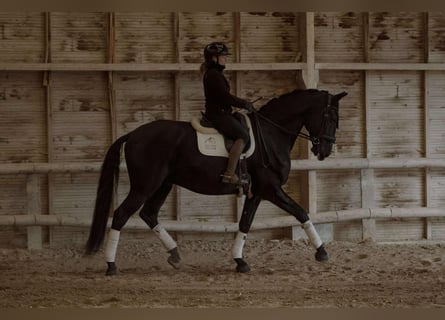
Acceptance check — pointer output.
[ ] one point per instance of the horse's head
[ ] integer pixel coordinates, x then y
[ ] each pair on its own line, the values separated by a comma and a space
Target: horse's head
322, 123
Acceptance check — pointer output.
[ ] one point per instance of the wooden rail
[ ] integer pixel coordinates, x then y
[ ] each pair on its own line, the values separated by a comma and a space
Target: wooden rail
328, 164
262, 223
231, 66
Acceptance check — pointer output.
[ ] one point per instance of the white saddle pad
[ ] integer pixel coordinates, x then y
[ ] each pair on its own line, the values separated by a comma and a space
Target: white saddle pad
211, 142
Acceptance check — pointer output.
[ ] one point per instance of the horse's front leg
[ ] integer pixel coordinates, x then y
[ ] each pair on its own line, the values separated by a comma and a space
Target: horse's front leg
249, 209
283, 201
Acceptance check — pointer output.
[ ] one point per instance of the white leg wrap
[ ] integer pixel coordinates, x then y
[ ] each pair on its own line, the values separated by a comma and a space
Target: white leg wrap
110, 250
312, 234
165, 238
237, 251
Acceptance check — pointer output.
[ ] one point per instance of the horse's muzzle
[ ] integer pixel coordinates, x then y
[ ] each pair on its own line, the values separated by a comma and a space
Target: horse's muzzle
322, 150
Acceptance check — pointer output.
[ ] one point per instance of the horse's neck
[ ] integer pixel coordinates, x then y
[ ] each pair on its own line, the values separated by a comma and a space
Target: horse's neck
285, 115
278, 137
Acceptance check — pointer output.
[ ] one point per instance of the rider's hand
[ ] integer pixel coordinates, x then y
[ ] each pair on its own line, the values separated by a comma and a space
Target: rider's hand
249, 106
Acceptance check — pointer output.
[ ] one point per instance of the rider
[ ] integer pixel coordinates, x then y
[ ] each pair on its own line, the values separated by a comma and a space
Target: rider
219, 104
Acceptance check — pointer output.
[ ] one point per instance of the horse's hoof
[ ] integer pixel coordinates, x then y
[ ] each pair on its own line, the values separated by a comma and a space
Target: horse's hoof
321, 254
174, 260
111, 270
241, 265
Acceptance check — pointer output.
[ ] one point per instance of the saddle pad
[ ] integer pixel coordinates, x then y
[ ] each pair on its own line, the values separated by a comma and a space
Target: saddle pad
212, 143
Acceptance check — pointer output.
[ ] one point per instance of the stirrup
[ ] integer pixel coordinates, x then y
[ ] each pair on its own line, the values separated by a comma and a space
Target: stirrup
232, 179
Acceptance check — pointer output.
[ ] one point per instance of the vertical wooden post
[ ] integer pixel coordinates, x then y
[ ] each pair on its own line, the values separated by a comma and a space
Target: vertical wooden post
367, 175
368, 201
366, 37
310, 78
177, 101
239, 202
426, 102
310, 73
111, 91
34, 208
49, 111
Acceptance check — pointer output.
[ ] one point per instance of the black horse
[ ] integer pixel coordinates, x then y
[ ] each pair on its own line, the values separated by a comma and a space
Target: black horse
164, 152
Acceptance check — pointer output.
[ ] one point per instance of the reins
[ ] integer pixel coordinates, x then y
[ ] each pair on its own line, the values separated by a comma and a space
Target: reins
300, 134
314, 140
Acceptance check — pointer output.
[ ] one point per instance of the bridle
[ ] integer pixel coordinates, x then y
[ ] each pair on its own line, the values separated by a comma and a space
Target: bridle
325, 130
328, 113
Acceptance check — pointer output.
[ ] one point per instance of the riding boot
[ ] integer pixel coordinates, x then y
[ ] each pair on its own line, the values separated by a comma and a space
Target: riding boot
235, 152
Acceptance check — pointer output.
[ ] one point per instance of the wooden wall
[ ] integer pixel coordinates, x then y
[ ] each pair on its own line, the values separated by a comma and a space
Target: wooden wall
70, 83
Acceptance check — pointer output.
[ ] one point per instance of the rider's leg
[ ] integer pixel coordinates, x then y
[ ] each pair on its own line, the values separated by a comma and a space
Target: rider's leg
232, 128
229, 175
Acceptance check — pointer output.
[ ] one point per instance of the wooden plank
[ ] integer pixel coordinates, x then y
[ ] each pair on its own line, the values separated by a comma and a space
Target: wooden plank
339, 37
396, 37
22, 117
22, 37
390, 95
368, 201
79, 37
436, 29
33, 207
144, 37
270, 37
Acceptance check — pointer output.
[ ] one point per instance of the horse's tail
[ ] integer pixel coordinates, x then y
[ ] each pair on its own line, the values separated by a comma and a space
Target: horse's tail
108, 181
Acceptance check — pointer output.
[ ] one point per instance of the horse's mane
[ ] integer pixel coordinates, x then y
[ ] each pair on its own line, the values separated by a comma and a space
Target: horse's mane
278, 100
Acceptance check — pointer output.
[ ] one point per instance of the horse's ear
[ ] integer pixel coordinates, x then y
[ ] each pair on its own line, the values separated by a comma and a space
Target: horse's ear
340, 95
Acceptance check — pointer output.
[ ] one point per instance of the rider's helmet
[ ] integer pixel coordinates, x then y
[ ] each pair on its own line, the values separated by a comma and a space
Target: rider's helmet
215, 49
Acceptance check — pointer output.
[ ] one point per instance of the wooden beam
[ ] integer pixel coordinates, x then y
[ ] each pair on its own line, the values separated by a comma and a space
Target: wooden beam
367, 175
111, 90
381, 66
366, 37
49, 110
177, 105
301, 165
230, 67
428, 189
143, 66
33, 207
310, 74
260, 223
426, 103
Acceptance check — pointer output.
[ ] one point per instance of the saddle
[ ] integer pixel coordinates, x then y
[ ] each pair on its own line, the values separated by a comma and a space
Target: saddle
212, 143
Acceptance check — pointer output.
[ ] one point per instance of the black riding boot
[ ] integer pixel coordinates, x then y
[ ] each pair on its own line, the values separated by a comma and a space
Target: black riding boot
235, 152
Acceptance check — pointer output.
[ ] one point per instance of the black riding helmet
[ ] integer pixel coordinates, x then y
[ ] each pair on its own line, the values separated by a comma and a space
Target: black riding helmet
215, 49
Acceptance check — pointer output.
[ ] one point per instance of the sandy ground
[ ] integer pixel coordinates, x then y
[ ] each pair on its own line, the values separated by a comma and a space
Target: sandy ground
284, 274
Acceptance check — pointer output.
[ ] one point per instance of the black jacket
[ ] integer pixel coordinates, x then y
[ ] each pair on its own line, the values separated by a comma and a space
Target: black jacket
217, 92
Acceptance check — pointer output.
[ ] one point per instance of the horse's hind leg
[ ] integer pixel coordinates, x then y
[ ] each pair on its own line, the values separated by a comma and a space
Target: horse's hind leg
132, 202
149, 213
